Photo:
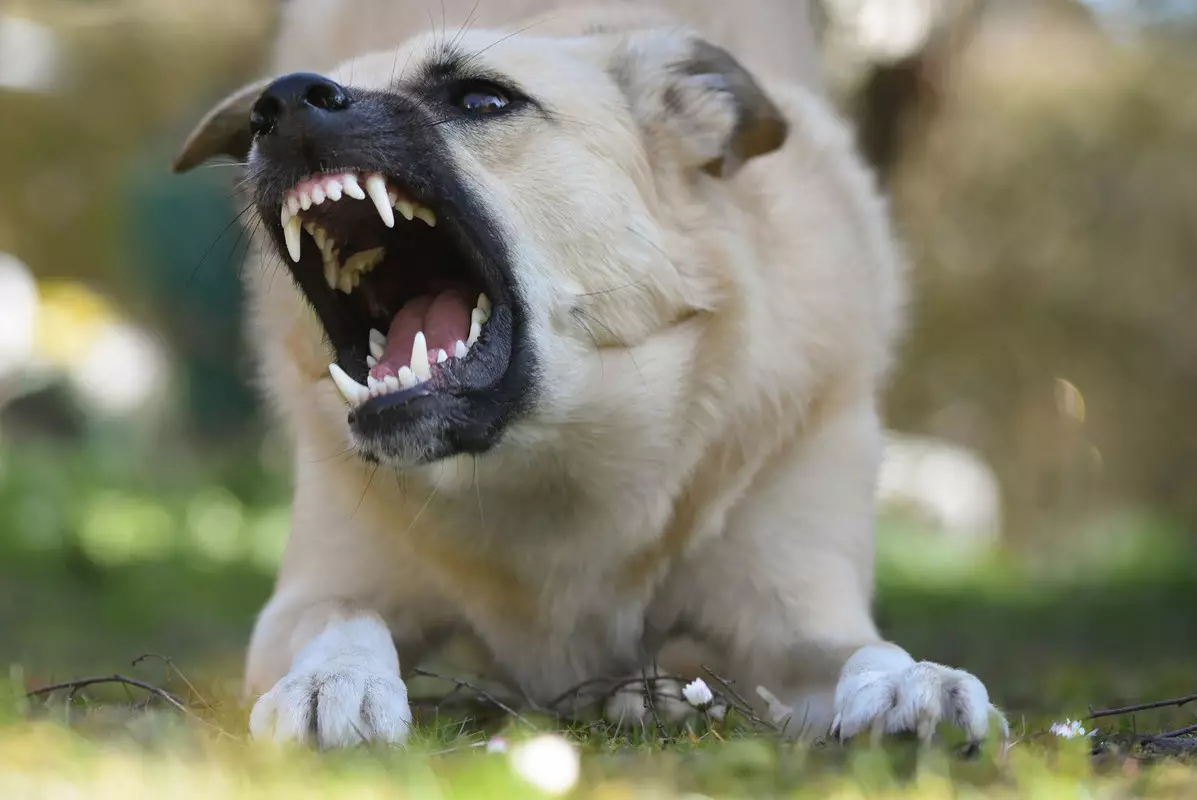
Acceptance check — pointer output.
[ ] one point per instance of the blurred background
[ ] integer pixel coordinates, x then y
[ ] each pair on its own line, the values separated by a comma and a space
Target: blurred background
1040, 490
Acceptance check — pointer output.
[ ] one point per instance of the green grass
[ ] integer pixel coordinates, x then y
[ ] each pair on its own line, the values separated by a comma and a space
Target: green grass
103, 558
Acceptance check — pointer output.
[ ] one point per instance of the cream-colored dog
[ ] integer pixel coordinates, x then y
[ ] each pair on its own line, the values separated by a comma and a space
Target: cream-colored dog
580, 356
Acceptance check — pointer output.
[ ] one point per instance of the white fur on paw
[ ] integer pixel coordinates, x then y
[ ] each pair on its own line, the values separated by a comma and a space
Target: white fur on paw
343, 690
914, 697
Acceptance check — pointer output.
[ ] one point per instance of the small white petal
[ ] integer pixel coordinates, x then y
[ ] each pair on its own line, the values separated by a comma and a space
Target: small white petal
697, 693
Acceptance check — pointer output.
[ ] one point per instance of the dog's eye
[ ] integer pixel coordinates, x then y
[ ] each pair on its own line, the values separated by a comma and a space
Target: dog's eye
481, 99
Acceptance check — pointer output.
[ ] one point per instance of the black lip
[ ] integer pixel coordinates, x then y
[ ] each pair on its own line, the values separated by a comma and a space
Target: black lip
464, 409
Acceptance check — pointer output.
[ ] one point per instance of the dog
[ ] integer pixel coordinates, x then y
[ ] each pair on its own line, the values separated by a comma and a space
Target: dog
580, 357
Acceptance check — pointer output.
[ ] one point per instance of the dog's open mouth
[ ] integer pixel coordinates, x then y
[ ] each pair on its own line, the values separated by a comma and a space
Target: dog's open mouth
406, 301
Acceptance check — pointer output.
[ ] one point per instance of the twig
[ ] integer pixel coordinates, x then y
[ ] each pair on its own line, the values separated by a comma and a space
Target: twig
1113, 712
609, 687
171, 668
75, 685
740, 704
651, 702
1176, 733
482, 694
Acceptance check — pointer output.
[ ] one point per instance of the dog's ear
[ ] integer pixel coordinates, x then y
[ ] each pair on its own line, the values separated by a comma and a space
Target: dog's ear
701, 97
224, 131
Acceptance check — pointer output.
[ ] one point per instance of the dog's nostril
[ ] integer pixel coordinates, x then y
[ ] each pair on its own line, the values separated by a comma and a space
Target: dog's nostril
327, 96
264, 115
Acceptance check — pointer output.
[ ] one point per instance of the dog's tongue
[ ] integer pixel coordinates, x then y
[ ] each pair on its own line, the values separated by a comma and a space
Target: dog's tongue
445, 320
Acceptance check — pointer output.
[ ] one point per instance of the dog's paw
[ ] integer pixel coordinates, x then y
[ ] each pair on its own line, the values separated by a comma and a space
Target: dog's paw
343, 690
881, 691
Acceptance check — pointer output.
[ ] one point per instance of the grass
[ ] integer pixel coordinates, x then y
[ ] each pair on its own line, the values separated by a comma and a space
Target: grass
97, 570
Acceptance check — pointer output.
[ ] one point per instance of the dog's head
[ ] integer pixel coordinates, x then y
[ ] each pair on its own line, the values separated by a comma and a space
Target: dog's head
474, 222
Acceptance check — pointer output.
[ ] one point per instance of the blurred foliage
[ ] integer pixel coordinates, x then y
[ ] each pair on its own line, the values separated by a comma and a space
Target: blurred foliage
1049, 210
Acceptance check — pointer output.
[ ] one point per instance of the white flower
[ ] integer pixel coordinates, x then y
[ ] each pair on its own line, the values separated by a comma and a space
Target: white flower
698, 694
496, 745
548, 762
1069, 729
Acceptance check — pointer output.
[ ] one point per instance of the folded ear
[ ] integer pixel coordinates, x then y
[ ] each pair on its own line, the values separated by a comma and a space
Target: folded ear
701, 97
224, 131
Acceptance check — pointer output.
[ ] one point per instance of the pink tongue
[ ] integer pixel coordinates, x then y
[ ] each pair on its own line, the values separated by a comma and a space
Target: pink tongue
445, 320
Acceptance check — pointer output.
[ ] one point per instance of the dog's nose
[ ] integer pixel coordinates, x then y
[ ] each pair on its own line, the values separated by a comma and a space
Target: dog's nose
299, 94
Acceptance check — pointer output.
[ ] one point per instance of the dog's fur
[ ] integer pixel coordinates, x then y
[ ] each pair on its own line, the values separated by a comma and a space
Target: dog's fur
700, 455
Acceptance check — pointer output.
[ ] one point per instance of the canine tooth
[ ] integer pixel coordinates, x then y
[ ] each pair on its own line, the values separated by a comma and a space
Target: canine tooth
305, 201
330, 270
426, 215
376, 187
285, 215
293, 204
378, 344
345, 282
441, 356
332, 187
329, 245
407, 378
353, 392
371, 362
419, 357
478, 317
460, 350
405, 208
352, 187
320, 236
318, 194
392, 383
374, 385
292, 230
484, 304
475, 332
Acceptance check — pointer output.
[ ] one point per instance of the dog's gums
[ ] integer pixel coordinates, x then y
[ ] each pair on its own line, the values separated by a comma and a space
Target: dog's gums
426, 333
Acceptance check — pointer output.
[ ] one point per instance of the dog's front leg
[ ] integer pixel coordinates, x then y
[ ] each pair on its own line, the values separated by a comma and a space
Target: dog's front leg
343, 686
785, 595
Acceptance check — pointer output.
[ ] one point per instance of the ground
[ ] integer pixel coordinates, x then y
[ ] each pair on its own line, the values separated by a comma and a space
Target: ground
103, 558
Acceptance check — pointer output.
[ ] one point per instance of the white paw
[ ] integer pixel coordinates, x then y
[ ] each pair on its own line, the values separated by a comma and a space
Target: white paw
343, 690
883, 690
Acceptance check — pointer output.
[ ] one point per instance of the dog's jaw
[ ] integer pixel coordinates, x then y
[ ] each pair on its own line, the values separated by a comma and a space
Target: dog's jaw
407, 274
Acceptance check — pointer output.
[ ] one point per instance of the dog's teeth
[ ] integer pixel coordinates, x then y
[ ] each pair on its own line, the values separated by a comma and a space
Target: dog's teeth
460, 350
352, 187
305, 201
484, 304
366, 260
405, 208
441, 356
376, 187
329, 245
331, 270
293, 205
354, 393
320, 236
285, 215
292, 230
332, 187
317, 195
392, 196
378, 344
371, 362
419, 357
477, 317
375, 386
392, 383
407, 378
345, 282
475, 332
426, 215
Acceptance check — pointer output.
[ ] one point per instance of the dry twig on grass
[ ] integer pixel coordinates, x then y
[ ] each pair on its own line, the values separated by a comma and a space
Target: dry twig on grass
81, 683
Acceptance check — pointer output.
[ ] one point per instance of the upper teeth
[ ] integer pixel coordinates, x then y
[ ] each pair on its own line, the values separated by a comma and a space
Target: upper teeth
419, 368
314, 192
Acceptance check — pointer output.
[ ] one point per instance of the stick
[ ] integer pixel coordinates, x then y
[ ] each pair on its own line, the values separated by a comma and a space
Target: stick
1113, 712
484, 695
741, 705
76, 685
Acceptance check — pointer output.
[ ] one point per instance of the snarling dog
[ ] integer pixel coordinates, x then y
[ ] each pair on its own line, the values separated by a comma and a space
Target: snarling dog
580, 358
